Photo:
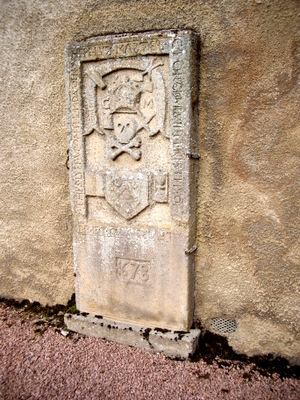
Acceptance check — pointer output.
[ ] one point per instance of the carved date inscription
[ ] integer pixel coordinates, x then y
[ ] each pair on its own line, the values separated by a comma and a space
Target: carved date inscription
133, 270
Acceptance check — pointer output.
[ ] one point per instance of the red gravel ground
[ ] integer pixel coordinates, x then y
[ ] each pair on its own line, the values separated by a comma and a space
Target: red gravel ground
38, 362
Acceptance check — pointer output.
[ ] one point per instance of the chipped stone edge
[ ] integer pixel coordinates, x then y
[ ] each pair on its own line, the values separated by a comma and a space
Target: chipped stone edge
174, 344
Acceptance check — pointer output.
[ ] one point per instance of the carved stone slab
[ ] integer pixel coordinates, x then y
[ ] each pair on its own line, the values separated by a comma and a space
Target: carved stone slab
132, 134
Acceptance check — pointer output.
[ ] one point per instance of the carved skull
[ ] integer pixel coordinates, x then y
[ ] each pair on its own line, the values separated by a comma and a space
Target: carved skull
125, 126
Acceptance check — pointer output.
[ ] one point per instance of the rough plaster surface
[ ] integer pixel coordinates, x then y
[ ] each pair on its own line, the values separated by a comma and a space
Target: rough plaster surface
248, 239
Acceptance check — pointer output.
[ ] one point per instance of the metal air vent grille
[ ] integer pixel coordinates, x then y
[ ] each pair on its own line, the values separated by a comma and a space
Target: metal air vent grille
223, 325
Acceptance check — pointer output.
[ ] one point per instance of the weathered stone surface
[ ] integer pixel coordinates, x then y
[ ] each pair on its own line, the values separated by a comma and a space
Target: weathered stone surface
247, 262
173, 344
132, 139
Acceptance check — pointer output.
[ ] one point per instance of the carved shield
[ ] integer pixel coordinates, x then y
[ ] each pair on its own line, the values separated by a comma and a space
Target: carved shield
127, 193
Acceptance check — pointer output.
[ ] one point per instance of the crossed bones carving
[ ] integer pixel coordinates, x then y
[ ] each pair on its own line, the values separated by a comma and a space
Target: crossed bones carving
131, 148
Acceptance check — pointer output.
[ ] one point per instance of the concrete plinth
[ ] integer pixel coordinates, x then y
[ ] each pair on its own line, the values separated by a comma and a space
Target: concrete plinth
171, 343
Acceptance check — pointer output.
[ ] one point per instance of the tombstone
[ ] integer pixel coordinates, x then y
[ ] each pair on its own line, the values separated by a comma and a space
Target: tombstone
132, 134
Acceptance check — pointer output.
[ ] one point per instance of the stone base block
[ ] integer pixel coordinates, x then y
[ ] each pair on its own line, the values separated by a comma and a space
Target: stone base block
171, 343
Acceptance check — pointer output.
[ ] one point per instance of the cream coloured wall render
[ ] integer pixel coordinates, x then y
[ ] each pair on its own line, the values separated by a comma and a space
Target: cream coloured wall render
248, 218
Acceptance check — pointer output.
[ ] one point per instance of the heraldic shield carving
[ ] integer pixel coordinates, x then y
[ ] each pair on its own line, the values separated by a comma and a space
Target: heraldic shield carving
125, 97
127, 194
125, 105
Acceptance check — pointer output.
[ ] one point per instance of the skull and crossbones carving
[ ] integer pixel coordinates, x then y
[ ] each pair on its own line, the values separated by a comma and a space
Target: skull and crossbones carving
130, 104
131, 148
125, 136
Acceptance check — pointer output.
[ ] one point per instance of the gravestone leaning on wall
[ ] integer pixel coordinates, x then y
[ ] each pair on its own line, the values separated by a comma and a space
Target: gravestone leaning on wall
247, 260
133, 175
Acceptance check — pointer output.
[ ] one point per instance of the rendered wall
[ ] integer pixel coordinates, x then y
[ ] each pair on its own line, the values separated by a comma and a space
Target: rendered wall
248, 238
